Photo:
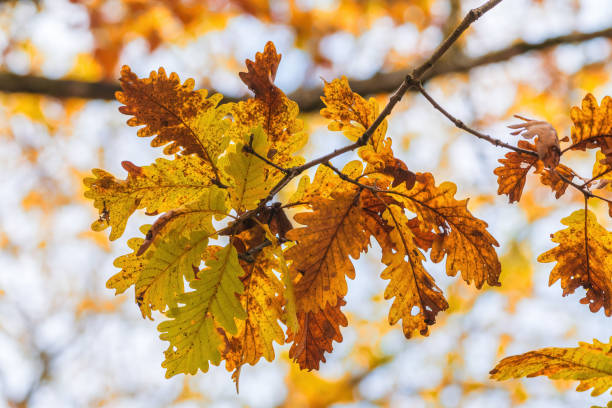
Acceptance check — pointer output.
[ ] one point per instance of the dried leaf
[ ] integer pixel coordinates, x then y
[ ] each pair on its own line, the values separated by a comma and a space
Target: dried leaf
318, 329
546, 142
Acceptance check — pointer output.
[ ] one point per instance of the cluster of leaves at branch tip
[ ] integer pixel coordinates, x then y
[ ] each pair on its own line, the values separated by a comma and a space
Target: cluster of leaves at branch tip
233, 275
584, 251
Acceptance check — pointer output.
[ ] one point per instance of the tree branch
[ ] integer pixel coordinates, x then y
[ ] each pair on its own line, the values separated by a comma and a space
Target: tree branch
308, 99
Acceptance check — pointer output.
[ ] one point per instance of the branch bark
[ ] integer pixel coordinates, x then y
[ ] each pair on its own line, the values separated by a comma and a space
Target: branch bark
308, 99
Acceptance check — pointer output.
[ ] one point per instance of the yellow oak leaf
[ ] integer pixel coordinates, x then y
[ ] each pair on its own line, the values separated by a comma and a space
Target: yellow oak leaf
584, 258
469, 247
162, 186
262, 301
325, 182
591, 364
194, 340
195, 216
131, 266
171, 262
333, 231
417, 297
352, 114
247, 171
511, 175
179, 117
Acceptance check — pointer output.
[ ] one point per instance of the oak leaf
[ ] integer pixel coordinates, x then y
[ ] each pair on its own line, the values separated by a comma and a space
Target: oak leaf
417, 297
333, 232
195, 216
591, 364
325, 182
584, 258
182, 119
262, 301
194, 340
270, 109
248, 172
170, 263
512, 174
131, 266
461, 236
318, 329
546, 139
162, 186
554, 178
593, 125
353, 115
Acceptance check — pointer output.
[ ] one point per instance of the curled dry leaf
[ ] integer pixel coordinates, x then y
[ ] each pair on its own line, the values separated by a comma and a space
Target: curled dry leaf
546, 142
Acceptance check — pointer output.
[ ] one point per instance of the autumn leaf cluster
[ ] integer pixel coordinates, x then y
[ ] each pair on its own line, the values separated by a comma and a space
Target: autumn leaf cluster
254, 278
233, 274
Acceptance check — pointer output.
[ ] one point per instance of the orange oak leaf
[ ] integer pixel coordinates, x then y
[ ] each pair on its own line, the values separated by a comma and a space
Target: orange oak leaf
270, 109
593, 125
352, 114
318, 329
417, 297
511, 175
554, 178
469, 247
333, 231
262, 72
584, 258
181, 119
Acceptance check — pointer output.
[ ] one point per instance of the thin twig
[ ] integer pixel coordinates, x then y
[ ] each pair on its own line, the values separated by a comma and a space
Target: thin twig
249, 149
461, 125
583, 142
584, 190
601, 174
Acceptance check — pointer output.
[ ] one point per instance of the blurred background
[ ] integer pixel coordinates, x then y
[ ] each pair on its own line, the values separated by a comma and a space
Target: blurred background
67, 341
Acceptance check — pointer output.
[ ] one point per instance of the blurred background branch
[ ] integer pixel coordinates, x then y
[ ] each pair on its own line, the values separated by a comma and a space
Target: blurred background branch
308, 99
